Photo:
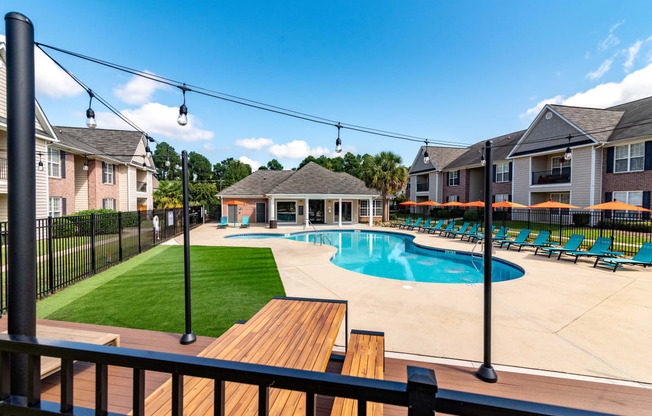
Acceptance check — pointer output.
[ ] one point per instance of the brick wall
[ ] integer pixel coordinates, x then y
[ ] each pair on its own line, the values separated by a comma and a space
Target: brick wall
502, 188
97, 190
630, 181
65, 187
247, 210
461, 190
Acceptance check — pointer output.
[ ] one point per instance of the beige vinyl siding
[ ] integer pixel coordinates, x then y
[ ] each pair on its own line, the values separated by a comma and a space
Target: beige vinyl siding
123, 184
4, 205
41, 182
540, 135
81, 185
521, 180
150, 199
432, 179
413, 188
598, 176
3, 89
581, 177
132, 188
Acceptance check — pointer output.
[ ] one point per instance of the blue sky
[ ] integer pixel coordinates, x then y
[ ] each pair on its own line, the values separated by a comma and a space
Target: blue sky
454, 71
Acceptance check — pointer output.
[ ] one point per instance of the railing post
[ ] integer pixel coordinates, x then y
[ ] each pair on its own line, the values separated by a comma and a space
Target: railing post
140, 247
50, 255
93, 242
421, 391
120, 235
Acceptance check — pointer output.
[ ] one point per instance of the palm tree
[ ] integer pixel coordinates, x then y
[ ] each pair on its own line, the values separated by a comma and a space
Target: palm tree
384, 173
169, 194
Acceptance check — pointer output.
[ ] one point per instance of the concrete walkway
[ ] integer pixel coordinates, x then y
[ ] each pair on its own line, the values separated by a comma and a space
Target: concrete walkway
559, 316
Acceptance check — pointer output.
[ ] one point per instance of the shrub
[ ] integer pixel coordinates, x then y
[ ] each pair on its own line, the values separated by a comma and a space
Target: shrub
472, 215
636, 226
106, 221
456, 212
393, 217
63, 227
443, 213
581, 219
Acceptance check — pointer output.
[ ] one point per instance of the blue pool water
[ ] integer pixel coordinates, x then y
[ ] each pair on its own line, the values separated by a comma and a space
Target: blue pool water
395, 256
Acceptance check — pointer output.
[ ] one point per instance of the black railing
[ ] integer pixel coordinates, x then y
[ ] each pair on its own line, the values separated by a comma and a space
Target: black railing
548, 177
420, 395
422, 187
72, 248
3, 168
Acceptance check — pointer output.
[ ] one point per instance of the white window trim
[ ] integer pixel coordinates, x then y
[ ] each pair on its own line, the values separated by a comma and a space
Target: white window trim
51, 163
296, 211
451, 178
108, 174
503, 172
627, 196
628, 158
378, 204
113, 203
53, 212
501, 197
452, 198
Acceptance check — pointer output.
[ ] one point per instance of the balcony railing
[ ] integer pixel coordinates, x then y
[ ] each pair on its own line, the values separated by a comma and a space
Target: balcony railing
3, 168
548, 177
422, 187
141, 186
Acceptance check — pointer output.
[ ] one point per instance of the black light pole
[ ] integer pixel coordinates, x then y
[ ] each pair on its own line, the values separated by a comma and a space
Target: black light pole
486, 371
21, 283
188, 337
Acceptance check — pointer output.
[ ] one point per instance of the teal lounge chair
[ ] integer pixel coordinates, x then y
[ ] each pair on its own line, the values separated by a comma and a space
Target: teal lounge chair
477, 235
435, 228
448, 228
572, 244
426, 224
223, 223
472, 231
643, 257
245, 222
408, 224
413, 226
398, 224
520, 238
461, 230
599, 249
540, 241
502, 231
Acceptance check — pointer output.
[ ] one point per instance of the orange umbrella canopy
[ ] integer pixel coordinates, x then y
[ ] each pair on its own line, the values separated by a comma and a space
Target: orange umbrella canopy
408, 203
430, 203
552, 204
508, 204
617, 206
235, 202
453, 204
474, 204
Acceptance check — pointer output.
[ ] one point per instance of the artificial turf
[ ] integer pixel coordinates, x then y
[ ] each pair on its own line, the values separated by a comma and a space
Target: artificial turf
147, 292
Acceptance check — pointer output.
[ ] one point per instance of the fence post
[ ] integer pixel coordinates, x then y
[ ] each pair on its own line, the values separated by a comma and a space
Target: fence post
140, 250
93, 243
50, 255
529, 211
120, 235
561, 214
421, 391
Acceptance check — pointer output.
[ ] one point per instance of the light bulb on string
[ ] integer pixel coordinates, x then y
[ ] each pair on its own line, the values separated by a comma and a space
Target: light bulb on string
568, 155
167, 161
90, 114
183, 110
426, 156
338, 142
85, 167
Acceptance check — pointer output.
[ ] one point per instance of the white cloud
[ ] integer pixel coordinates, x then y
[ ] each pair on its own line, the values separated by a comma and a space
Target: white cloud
297, 149
253, 143
632, 51
138, 90
611, 39
634, 86
533, 111
52, 80
254, 164
157, 119
598, 73
207, 147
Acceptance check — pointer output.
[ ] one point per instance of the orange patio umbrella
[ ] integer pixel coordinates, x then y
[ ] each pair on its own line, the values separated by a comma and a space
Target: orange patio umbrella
478, 204
507, 204
552, 205
618, 206
429, 203
408, 203
452, 204
235, 202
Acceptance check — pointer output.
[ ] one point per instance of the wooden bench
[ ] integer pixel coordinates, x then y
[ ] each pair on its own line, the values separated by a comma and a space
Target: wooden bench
287, 332
364, 358
50, 365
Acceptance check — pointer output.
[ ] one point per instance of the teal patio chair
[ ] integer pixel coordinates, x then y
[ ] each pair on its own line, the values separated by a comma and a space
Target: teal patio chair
540, 241
413, 226
643, 257
460, 230
436, 227
502, 232
478, 235
417, 221
426, 224
520, 238
472, 231
223, 223
448, 228
572, 244
245, 222
599, 249
397, 224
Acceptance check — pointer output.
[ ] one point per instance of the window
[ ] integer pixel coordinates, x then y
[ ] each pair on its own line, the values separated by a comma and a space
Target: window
364, 208
286, 211
54, 163
501, 197
454, 178
108, 203
107, 173
563, 197
629, 158
559, 166
502, 172
54, 207
452, 198
629, 197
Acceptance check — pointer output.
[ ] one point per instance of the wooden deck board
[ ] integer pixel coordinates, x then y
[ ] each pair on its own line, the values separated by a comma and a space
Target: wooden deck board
563, 392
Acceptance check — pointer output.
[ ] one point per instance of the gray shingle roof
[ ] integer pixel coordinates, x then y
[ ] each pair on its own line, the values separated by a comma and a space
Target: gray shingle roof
631, 124
310, 179
121, 143
439, 157
598, 123
502, 145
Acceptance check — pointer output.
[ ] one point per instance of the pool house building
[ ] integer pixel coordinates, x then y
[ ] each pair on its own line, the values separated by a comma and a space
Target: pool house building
310, 195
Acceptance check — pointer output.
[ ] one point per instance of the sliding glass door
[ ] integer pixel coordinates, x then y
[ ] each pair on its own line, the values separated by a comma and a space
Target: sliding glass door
347, 211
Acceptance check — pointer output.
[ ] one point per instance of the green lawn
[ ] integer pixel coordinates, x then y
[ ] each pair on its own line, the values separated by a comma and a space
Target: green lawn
146, 292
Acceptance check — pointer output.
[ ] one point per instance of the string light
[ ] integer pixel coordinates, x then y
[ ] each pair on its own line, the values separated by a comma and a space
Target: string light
167, 161
85, 167
482, 161
41, 167
338, 142
148, 151
426, 156
90, 114
569, 153
183, 110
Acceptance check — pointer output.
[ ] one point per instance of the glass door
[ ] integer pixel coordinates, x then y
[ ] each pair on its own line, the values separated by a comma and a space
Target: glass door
347, 211
316, 211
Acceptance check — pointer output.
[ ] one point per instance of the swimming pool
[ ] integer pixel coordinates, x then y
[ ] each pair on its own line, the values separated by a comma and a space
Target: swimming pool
396, 256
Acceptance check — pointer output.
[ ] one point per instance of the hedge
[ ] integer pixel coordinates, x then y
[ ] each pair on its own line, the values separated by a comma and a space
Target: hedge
106, 222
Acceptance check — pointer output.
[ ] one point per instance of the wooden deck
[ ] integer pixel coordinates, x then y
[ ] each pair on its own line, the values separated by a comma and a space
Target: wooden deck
580, 394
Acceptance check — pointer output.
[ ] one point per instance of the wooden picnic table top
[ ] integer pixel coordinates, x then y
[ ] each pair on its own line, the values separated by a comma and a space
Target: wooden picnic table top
287, 332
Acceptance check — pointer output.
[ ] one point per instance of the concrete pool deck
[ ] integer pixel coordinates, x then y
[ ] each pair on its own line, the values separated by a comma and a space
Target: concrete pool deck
559, 316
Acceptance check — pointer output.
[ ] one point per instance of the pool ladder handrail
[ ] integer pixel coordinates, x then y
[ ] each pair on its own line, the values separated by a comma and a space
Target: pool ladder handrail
473, 255
321, 236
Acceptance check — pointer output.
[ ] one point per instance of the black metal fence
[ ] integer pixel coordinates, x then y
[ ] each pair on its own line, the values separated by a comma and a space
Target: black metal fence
72, 248
627, 230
